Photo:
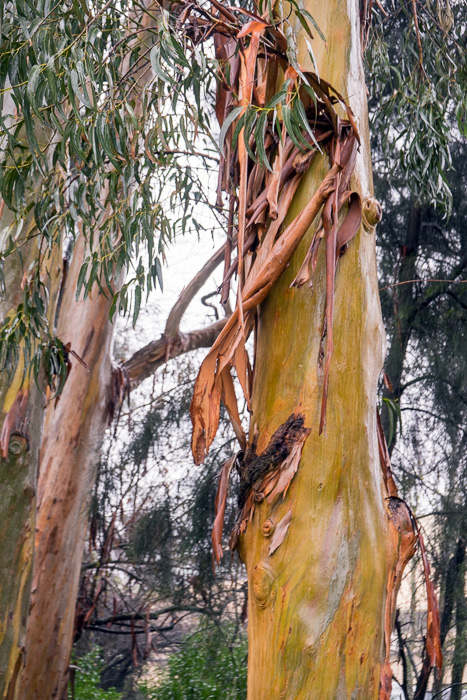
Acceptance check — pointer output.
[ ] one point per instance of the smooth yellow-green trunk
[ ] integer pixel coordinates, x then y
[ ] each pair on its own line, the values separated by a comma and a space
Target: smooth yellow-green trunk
317, 603
21, 419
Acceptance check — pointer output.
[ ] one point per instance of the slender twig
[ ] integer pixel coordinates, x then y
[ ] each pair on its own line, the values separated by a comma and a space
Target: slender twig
419, 41
446, 281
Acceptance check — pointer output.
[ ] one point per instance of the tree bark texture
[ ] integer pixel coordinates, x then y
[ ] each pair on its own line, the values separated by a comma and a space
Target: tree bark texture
321, 603
73, 432
21, 420
22, 410
21, 413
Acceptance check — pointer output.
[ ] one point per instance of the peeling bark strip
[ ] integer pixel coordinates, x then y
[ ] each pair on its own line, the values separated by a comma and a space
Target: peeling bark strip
404, 535
432, 653
261, 186
264, 476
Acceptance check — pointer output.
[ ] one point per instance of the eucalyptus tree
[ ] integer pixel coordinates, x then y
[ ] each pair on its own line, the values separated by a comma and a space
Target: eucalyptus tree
100, 100
297, 595
82, 139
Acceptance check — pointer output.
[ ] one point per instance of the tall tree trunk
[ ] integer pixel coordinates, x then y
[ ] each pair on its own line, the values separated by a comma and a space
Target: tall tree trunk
21, 414
406, 310
73, 433
22, 410
318, 604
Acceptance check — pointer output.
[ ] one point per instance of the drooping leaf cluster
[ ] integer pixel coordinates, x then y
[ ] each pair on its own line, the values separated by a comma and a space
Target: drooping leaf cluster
417, 78
94, 143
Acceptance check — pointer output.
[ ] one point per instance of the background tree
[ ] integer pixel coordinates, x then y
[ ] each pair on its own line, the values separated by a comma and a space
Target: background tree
419, 144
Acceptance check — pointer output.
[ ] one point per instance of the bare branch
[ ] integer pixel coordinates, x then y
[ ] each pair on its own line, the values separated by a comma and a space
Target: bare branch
152, 356
173, 321
439, 288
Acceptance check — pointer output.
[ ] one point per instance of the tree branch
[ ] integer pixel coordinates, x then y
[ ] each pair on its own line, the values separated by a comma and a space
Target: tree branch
436, 290
175, 316
172, 343
125, 617
148, 359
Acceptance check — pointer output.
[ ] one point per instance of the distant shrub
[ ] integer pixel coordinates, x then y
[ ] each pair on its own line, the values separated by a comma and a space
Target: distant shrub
211, 665
87, 678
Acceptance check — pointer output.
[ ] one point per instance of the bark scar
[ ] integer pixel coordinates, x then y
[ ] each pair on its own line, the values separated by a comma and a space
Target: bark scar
15, 422
262, 476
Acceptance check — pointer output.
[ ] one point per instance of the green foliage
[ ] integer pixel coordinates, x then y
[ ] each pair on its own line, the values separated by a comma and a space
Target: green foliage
211, 665
86, 125
418, 95
87, 679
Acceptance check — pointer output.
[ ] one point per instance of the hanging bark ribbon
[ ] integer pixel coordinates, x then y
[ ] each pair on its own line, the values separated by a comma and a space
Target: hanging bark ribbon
260, 174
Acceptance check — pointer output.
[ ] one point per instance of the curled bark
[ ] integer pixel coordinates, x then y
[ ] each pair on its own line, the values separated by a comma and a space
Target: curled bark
263, 200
